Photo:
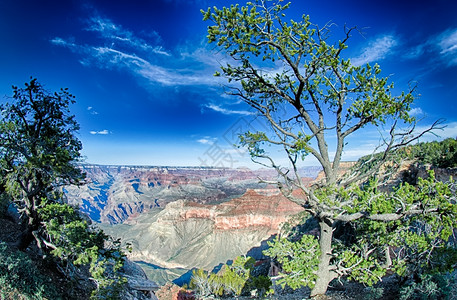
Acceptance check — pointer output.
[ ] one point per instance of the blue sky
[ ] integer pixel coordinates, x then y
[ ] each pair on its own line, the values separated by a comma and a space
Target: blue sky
142, 71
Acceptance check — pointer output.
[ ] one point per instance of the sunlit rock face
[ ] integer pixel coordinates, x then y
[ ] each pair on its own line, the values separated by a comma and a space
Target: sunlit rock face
187, 234
114, 194
181, 218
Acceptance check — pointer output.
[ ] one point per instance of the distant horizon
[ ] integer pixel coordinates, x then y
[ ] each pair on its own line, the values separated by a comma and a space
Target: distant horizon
189, 166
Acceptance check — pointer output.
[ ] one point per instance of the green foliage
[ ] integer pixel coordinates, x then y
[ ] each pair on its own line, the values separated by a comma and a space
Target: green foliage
253, 142
260, 286
38, 139
75, 243
234, 279
20, 278
375, 293
420, 241
4, 203
313, 69
38, 150
299, 260
439, 154
437, 286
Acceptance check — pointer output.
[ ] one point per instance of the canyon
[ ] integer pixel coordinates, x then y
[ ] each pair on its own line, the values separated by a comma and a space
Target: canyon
179, 218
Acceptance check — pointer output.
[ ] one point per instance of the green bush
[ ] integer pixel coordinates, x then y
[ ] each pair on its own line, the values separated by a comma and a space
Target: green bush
299, 260
437, 286
77, 244
231, 280
4, 203
21, 279
439, 154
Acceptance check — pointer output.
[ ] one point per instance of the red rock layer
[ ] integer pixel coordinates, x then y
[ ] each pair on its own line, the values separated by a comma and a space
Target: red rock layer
250, 210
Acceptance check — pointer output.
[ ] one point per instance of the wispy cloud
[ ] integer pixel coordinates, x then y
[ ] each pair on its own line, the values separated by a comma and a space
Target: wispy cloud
123, 50
207, 140
61, 42
440, 47
447, 43
226, 111
102, 132
376, 50
91, 110
416, 112
123, 37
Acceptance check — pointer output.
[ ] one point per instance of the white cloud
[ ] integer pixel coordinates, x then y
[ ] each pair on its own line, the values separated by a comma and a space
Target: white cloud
376, 50
122, 50
91, 110
416, 112
102, 132
447, 43
205, 141
110, 58
61, 42
116, 34
443, 46
228, 111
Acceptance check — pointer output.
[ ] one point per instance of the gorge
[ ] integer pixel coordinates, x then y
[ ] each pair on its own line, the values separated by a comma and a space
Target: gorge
179, 218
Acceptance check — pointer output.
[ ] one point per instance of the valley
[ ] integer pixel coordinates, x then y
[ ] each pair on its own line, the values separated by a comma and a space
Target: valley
176, 219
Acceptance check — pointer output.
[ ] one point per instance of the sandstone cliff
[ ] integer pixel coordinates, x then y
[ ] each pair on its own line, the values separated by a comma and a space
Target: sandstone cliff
114, 194
184, 217
188, 234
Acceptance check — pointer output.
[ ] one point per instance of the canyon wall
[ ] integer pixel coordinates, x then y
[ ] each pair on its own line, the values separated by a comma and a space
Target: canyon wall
184, 217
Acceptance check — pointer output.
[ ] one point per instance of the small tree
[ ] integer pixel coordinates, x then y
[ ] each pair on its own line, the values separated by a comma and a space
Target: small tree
299, 82
38, 156
38, 151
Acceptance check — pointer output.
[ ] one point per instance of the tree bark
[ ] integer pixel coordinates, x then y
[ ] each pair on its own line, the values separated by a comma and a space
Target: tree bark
25, 239
324, 274
388, 257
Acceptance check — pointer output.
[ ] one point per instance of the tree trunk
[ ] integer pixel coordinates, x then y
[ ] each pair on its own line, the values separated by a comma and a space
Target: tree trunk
25, 239
324, 274
388, 257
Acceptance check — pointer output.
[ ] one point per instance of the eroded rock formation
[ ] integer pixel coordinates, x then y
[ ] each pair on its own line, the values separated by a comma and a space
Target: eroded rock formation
187, 234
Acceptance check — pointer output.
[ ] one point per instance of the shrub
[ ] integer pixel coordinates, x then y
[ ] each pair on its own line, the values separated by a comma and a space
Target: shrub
437, 286
76, 244
21, 279
231, 280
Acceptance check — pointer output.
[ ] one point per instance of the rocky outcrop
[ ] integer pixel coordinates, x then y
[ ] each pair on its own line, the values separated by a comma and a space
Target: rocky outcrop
138, 287
254, 209
188, 234
344, 167
250, 210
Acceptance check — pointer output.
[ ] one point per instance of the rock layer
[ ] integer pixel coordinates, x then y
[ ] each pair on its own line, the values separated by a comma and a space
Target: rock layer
181, 218
188, 234
114, 194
